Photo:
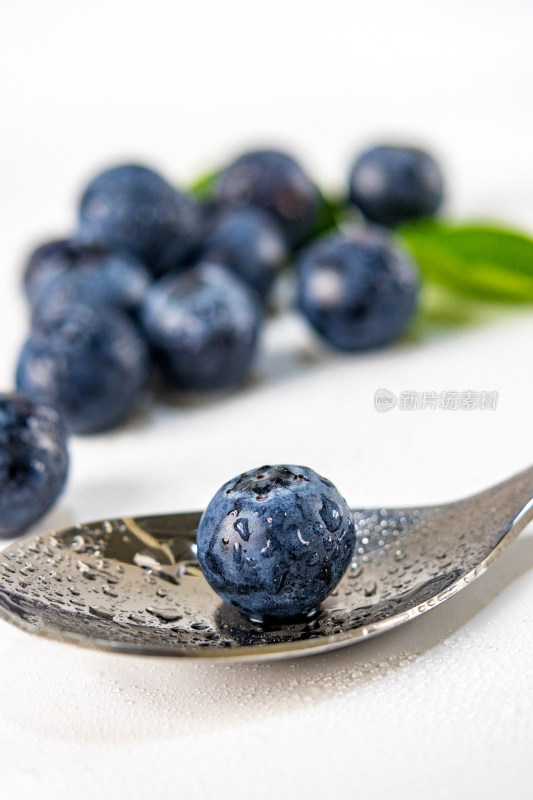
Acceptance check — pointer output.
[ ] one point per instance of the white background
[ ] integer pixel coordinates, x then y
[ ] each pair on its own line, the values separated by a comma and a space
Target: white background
443, 705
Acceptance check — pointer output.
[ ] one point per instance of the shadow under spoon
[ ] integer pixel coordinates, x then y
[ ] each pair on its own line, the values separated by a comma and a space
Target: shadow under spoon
133, 585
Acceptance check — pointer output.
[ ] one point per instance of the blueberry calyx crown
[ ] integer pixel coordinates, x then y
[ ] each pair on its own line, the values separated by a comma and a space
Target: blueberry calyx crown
263, 480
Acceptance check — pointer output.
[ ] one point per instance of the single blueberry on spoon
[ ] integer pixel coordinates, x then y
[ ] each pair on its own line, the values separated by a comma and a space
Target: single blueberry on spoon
275, 541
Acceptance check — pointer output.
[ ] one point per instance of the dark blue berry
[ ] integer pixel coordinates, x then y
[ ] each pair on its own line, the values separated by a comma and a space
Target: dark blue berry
182, 252
203, 325
392, 185
33, 462
276, 183
67, 271
249, 242
133, 208
89, 363
45, 263
275, 541
358, 291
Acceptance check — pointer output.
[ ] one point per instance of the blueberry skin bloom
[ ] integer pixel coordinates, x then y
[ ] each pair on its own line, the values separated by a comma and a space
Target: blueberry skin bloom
33, 462
203, 325
274, 542
392, 185
89, 363
358, 292
249, 242
275, 182
68, 271
133, 208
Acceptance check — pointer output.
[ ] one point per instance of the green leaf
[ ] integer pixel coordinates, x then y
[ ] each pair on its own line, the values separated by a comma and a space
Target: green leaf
442, 310
476, 260
203, 186
327, 215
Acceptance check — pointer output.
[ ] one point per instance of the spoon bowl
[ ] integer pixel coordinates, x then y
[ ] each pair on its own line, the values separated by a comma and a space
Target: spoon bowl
133, 585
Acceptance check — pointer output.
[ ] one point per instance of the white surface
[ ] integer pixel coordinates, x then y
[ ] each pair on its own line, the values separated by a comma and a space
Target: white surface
443, 705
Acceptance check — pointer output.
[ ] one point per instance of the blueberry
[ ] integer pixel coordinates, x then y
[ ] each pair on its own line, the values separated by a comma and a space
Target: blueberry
249, 242
276, 183
45, 263
274, 542
33, 462
89, 363
391, 185
67, 271
358, 291
133, 208
203, 325
182, 251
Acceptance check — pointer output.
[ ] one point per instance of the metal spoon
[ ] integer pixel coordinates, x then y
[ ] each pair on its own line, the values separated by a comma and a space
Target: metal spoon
134, 586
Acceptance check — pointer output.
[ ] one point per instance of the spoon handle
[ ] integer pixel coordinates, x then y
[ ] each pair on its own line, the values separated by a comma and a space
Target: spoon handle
513, 498
500, 512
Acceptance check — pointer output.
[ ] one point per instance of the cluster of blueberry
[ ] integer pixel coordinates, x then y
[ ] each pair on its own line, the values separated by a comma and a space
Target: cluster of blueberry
155, 280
